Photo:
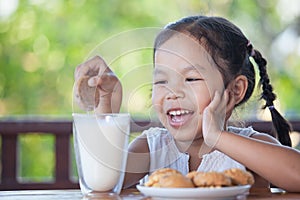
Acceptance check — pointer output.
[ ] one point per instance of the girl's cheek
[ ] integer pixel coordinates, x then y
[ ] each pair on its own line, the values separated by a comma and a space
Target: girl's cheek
157, 99
156, 93
154, 97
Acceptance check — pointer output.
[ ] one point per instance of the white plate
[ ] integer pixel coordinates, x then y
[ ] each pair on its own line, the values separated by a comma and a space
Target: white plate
195, 193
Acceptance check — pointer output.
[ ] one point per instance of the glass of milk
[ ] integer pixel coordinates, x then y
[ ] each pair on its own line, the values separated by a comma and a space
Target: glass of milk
101, 143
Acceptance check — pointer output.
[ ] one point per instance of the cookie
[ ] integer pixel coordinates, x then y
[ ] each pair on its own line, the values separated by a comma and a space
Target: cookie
154, 178
239, 177
211, 179
87, 97
175, 181
191, 174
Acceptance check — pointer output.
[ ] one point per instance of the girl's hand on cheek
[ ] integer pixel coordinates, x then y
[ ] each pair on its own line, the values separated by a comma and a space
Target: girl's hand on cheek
214, 116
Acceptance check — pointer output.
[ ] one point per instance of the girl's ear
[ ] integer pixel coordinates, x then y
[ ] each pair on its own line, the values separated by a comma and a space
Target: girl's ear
238, 88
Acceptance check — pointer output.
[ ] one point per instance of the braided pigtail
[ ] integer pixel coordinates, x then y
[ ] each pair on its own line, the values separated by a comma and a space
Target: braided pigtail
280, 124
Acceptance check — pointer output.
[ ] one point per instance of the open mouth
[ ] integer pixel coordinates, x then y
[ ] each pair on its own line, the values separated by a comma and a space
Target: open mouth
178, 117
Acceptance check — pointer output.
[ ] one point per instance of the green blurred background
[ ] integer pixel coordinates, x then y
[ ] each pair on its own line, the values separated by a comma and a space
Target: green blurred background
41, 43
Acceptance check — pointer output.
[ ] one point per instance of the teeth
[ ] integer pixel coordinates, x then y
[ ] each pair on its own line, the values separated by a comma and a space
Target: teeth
179, 112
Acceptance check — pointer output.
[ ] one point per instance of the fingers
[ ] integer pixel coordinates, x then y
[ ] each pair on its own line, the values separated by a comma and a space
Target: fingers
215, 101
231, 101
97, 70
105, 82
221, 101
93, 81
108, 82
92, 67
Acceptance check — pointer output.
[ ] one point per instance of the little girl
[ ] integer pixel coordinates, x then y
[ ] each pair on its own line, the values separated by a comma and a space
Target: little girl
202, 71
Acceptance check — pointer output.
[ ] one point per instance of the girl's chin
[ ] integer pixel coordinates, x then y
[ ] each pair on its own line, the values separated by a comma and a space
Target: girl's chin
184, 134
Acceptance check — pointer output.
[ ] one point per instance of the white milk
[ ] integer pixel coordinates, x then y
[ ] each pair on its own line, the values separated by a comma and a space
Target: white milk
102, 145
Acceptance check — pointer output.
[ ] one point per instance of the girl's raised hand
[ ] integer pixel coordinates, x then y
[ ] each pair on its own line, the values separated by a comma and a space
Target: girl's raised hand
101, 77
214, 117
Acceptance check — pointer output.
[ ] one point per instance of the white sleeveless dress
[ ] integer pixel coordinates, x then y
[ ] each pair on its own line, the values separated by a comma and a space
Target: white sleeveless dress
164, 153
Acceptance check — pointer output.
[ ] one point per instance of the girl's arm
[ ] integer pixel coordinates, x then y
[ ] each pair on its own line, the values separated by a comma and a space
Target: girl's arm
278, 164
138, 161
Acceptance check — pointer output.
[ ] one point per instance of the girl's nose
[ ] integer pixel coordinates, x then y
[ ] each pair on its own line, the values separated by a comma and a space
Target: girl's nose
174, 94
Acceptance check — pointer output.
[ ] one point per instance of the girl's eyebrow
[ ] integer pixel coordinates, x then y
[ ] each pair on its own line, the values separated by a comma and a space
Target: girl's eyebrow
158, 71
197, 68
186, 69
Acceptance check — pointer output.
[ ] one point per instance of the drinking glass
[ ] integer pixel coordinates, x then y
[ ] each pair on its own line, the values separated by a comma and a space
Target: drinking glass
101, 143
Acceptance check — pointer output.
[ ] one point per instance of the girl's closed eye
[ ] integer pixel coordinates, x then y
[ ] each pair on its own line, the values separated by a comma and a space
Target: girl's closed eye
194, 79
159, 82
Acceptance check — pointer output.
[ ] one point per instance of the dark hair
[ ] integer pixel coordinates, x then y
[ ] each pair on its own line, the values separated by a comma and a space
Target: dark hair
230, 50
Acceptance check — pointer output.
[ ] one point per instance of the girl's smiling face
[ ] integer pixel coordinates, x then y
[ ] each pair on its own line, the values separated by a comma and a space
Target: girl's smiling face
185, 77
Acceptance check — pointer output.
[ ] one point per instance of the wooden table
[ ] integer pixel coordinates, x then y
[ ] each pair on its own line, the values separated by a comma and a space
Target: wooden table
129, 194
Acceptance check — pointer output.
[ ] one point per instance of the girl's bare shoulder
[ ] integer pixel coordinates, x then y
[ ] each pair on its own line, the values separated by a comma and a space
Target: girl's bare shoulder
139, 144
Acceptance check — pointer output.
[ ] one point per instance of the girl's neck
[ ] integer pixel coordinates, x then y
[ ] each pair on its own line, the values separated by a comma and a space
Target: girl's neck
196, 149
189, 146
